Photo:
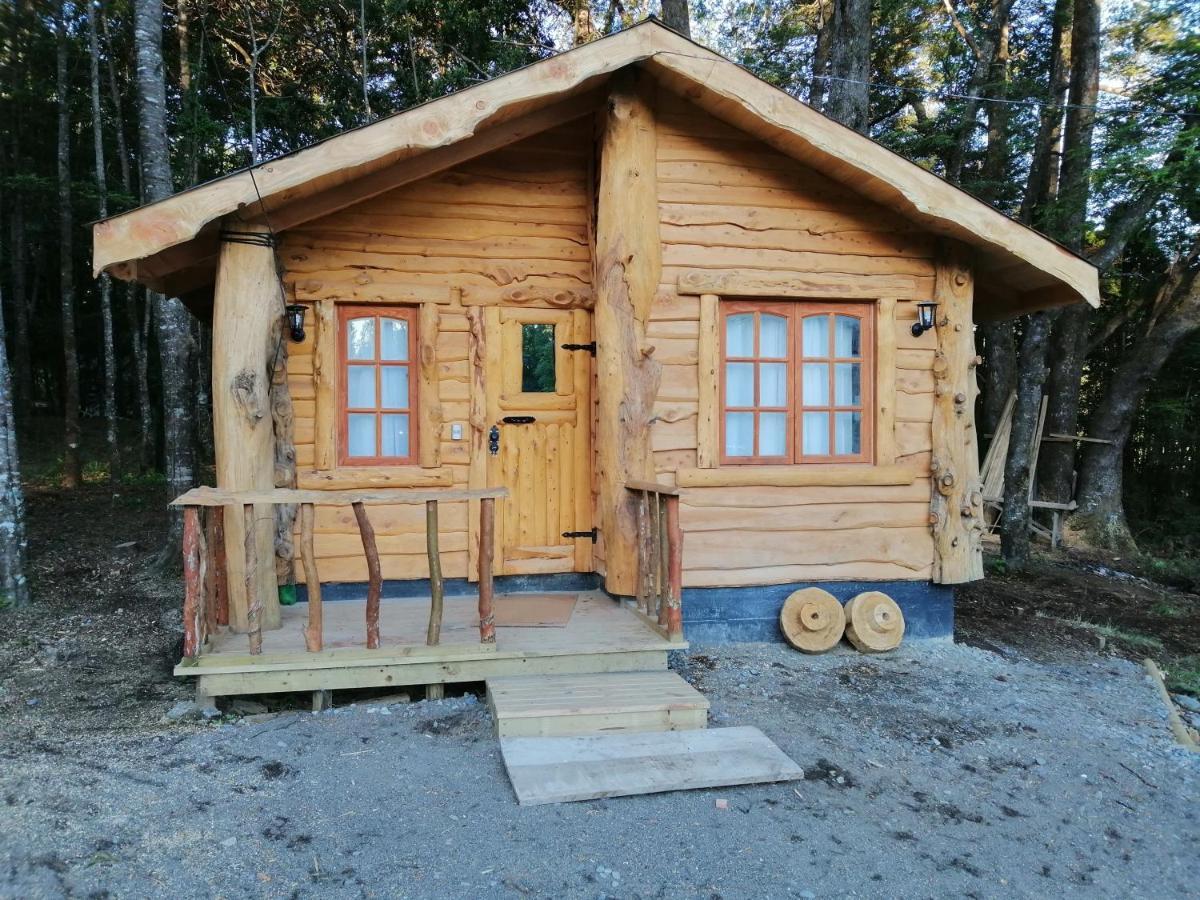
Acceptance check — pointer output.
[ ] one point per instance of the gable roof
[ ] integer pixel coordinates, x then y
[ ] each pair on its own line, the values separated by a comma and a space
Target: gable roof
171, 245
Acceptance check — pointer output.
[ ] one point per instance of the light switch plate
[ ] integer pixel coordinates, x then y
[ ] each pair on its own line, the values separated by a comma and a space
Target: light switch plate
456, 431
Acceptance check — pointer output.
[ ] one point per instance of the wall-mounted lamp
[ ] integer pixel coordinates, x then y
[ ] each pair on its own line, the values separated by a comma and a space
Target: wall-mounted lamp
295, 318
926, 309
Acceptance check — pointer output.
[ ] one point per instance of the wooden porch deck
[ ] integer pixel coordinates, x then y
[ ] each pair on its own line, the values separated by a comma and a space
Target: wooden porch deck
603, 635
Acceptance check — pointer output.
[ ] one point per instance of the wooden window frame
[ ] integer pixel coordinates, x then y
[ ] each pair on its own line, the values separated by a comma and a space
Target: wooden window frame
408, 314
796, 311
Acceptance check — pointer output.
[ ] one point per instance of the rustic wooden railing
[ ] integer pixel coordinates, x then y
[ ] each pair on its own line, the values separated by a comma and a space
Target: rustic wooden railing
660, 555
206, 590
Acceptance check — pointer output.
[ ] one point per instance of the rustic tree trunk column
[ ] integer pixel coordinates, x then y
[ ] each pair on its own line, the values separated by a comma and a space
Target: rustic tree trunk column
674, 617
487, 532
313, 635
374, 575
628, 264
193, 583
956, 508
247, 307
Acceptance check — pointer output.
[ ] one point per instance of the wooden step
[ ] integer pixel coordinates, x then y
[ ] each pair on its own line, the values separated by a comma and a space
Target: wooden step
587, 767
555, 705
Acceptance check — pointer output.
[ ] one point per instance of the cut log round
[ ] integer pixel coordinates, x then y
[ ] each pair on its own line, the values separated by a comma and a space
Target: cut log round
812, 620
874, 623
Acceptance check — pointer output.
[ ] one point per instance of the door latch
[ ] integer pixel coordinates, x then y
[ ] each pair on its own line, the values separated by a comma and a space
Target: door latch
518, 420
494, 440
581, 534
590, 347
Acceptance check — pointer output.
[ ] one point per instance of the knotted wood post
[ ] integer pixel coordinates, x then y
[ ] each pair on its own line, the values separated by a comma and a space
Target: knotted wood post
193, 603
487, 530
217, 573
674, 604
664, 562
656, 559
313, 638
433, 633
374, 578
254, 607
645, 552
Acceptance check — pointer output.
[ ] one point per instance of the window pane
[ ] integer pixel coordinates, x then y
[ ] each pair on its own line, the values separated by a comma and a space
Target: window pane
816, 336
846, 340
537, 358
739, 384
394, 387
847, 384
772, 384
772, 434
395, 435
772, 336
360, 387
815, 429
847, 433
739, 335
816, 384
360, 338
393, 339
739, 434
362, 434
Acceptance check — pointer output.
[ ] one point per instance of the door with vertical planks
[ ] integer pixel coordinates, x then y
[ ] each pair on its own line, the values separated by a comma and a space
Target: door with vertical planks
538, 377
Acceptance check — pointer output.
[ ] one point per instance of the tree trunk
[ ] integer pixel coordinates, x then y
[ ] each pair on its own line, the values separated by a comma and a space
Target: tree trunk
23, 380
140, 321
820, 64
1042, 183
174, 330
66, 227
999, 372
110, 357
1101, 505
1031, 361
118, 114
675, 16
14, 589
1069, 341
850, 64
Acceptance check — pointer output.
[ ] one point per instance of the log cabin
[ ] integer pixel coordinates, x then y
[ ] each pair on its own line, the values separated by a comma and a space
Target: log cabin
629, 323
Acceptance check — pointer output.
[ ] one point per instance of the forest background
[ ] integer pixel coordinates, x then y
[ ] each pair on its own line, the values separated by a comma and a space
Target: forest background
1078, 117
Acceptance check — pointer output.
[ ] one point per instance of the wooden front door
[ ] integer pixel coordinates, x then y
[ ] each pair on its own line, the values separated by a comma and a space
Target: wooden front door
539, 402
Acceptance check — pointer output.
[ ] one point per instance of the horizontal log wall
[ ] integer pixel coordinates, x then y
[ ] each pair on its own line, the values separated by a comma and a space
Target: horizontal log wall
507, 228
732, 206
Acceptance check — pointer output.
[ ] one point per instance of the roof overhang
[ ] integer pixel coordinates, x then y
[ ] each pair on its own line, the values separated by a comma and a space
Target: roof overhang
171, 245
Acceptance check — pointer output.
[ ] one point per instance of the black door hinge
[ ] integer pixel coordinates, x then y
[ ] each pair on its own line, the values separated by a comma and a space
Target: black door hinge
581, 534
590, 348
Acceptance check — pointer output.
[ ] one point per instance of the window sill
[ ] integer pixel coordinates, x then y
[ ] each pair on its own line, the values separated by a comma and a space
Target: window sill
359, 477
797, 476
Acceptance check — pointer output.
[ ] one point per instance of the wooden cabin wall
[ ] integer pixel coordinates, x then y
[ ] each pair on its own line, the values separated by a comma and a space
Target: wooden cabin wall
731, 204
508, 228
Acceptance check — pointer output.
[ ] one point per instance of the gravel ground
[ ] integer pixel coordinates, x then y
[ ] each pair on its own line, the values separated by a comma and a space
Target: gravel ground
939, 770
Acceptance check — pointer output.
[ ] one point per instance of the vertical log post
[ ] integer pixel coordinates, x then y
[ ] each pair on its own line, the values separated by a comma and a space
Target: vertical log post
628, 269
645, 553
674, 603
193, 583
220, 571
487, 529
374, 578
656, 556
433, 634
664, 561
313, 638
254, 597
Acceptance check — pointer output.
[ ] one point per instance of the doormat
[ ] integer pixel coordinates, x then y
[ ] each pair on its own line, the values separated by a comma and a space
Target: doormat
533, 610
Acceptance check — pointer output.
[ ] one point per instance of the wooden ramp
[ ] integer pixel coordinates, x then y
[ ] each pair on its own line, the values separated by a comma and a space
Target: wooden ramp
588, 767
581, 737
537, 706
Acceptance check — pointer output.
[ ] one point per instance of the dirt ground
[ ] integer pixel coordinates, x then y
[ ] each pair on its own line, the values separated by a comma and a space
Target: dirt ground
1030, 759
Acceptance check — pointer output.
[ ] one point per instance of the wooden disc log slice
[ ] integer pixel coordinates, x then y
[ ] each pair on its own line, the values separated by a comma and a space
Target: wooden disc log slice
812, 620
874, 623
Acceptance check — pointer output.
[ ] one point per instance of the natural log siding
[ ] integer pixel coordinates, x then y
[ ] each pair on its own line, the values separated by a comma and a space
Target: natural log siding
730, 205
510, 227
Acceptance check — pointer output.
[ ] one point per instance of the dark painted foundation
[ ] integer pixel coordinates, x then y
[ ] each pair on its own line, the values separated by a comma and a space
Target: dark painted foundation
726, 615
710, 615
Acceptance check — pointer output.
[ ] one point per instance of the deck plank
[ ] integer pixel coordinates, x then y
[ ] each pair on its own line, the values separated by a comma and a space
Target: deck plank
589, 767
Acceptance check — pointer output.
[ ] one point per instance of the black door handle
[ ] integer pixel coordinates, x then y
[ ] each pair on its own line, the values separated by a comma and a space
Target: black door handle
518, 420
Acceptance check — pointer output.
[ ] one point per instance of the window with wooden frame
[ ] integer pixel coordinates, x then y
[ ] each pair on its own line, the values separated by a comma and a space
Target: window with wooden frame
796, 382
377, 396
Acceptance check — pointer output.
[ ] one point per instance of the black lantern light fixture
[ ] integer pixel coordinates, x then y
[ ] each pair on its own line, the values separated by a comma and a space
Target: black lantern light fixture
295, 318
926, 309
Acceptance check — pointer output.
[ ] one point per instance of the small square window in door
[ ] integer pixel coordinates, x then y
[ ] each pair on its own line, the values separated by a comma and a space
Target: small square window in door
538, 358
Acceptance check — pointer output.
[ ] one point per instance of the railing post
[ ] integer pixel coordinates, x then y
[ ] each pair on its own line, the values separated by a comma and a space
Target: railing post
313, 638
645, 552
487, 528
374, 578
674, 537
254, 600
193, 601
657, 561
217, 566
434, 633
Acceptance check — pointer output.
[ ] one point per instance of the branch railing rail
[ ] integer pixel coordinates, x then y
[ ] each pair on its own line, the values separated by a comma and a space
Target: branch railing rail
206, 588
660, 555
